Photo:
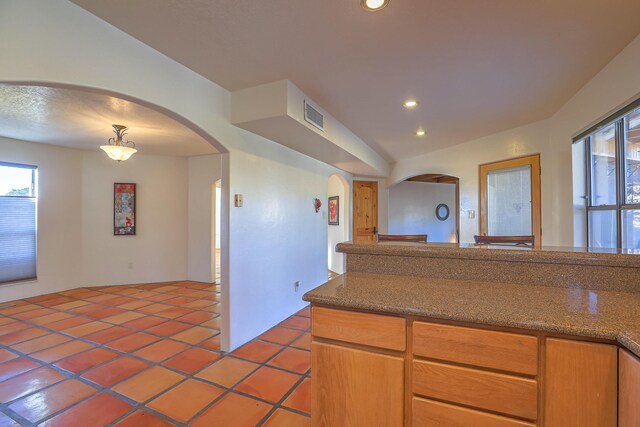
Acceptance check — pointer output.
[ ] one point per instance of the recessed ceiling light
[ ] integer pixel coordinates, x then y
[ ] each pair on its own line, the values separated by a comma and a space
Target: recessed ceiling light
373, 4
420, 132
410, 103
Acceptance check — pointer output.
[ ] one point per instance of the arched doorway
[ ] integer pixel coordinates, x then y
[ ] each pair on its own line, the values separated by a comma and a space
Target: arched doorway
338, 208
426, 204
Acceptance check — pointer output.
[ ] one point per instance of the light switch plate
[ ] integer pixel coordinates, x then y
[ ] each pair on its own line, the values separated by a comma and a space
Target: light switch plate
237, 200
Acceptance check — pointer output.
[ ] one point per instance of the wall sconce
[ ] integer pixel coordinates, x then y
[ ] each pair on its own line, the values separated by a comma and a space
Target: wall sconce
317, 204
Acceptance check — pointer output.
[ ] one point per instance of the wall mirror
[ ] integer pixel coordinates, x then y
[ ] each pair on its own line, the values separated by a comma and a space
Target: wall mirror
442, 212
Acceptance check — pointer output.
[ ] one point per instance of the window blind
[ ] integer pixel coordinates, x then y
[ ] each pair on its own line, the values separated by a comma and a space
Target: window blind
17, 238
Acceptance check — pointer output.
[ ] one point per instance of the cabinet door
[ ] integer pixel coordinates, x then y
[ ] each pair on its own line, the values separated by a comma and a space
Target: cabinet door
629, 403
355, 388
580, 383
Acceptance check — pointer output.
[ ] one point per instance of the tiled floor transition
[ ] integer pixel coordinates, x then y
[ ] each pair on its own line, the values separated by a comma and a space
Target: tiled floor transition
146, 355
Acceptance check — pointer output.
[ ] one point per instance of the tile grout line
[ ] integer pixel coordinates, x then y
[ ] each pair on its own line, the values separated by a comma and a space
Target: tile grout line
141, 405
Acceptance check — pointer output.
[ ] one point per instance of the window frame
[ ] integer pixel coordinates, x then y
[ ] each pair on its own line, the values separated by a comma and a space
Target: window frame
33, 195
619, 120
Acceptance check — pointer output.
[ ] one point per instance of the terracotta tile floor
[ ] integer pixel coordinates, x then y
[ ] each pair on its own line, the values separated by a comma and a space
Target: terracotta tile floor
146, 355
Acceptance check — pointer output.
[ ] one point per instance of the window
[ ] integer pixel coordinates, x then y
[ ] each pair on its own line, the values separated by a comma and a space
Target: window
613, 181
17, 222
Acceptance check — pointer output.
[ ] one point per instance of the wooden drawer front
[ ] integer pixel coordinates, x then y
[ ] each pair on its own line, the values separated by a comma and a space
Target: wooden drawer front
428, 413
481, 389
355, 388
629, 403
489, 349
360, 328
580, 384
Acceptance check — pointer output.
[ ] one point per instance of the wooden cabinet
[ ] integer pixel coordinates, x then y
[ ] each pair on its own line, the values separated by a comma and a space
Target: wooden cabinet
629, 390
580, 384
365, 372
477, 347
492, 391
352, 387
373, 330
429, 413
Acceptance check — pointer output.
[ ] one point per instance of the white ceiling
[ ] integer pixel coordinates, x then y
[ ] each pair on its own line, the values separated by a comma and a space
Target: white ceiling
79, 119
476, 66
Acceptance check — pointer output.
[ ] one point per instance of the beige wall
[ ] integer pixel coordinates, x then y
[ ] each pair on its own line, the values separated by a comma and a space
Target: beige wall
204, 171
616, 85
59, 216
462, 161
338, 186
76, 245
158, 251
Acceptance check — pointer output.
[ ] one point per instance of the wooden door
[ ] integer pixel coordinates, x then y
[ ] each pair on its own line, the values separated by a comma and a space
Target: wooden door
365, 211
491, 216
629, 400
355, 388
580, 383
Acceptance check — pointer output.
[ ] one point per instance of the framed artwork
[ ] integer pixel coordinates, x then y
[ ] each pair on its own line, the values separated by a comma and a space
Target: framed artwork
334, 210
124, 209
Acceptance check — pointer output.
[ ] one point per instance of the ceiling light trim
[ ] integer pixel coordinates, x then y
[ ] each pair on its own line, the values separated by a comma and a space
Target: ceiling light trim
367, 7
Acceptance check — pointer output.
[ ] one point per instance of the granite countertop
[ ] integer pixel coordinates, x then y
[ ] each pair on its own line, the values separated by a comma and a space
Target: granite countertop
544, 254
599, 314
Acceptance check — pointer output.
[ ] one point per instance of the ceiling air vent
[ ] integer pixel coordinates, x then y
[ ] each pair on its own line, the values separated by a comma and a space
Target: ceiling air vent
313, 116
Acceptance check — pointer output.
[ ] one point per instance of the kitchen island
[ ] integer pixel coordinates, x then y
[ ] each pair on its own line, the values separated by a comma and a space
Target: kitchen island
449, 335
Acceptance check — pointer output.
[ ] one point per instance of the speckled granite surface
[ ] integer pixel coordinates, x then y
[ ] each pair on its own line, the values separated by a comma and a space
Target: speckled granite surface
546, 254
555, 267
601, 314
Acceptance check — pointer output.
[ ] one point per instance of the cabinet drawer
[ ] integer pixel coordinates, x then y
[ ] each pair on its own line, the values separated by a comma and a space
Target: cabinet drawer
488, 349
360, 328
428, 413
481, 389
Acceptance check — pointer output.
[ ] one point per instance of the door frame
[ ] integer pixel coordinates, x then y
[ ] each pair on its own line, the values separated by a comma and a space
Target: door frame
532, 160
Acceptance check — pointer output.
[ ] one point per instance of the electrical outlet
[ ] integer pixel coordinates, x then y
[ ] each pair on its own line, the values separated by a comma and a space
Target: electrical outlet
296, 286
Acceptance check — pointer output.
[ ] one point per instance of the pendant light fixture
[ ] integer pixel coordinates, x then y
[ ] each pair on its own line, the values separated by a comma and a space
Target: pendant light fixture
118, 149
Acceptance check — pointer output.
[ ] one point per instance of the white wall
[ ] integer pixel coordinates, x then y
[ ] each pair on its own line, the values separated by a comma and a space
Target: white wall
337, 186
158, 251
615, 86
463, 160
612, 88
204, 171
412, 210
59, 216
276, 238
145, 75
60, 32
76, 245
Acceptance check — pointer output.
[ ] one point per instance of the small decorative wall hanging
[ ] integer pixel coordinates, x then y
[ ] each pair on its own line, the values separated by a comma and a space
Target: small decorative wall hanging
124, 209
442, 212
334, 210
317, 204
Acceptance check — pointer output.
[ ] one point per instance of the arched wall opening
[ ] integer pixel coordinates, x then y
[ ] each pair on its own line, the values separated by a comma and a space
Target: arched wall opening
142, 168
123, 96
426, 204
338, 220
